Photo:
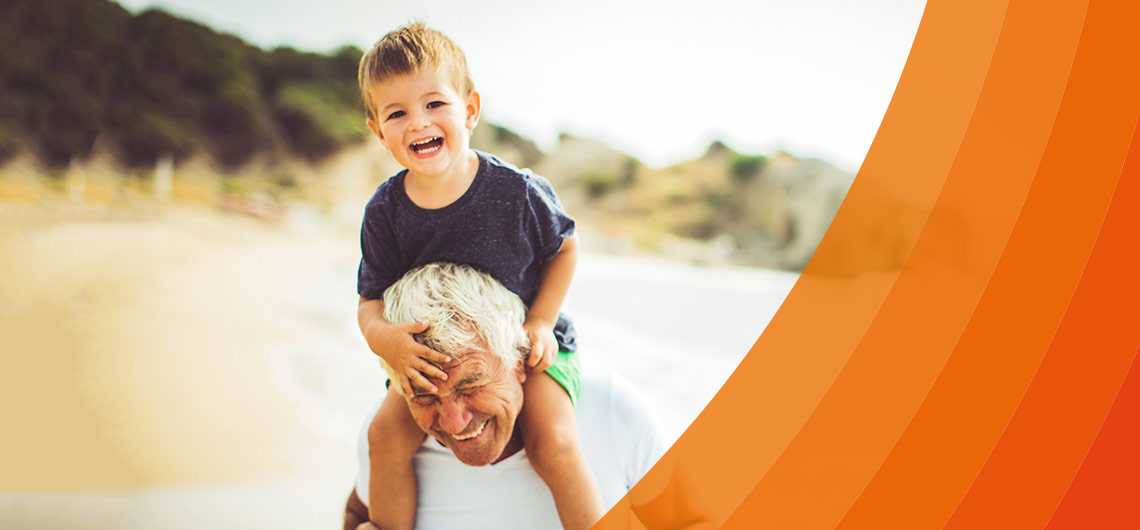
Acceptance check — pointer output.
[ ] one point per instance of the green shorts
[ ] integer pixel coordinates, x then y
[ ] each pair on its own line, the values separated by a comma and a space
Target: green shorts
567, 371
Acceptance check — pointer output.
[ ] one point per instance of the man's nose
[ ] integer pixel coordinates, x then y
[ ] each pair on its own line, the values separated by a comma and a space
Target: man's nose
453, 416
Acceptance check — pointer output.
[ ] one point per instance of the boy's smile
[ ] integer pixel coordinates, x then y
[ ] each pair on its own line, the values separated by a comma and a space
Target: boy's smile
426, 124
427, 147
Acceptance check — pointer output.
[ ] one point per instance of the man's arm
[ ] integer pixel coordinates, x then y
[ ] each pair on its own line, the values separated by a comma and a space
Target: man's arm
356, 514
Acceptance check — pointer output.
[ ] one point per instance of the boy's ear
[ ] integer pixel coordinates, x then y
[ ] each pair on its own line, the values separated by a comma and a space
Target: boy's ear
473, 107
375, 128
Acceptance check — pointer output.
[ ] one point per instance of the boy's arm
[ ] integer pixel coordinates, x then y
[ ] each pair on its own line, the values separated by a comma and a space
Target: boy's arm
543, 312
368, 313
556, 276
395, 344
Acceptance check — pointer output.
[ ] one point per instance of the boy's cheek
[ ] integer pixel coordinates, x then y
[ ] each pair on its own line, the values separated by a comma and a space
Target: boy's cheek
378, 132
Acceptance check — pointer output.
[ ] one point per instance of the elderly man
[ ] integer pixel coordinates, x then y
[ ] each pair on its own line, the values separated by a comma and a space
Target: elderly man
472, 415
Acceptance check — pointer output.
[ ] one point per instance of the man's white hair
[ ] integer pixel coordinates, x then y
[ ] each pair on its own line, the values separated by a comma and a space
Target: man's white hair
466, 309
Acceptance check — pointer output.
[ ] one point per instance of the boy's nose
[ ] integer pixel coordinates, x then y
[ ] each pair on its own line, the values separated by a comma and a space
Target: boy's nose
420, 123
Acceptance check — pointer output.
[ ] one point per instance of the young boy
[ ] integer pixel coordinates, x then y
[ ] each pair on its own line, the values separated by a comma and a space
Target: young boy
459, 205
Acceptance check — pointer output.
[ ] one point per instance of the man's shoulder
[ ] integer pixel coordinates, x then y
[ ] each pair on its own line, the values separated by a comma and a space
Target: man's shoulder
603, 393
608, 408
620, 439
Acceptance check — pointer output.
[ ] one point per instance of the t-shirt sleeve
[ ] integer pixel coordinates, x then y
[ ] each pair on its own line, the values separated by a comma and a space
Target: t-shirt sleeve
377, 261
551, 221
644, 432
634, 434
363, 461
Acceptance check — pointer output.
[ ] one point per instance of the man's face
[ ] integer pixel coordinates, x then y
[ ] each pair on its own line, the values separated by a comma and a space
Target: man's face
473, 412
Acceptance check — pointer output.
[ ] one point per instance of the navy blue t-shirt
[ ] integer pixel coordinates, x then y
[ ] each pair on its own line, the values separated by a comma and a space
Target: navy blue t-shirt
508, 223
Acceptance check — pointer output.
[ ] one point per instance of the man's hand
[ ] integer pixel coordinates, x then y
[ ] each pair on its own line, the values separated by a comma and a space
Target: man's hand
411, 360
543, 347
356, 514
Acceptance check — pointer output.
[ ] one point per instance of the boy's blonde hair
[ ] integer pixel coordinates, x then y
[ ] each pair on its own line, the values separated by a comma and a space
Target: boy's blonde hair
407, 50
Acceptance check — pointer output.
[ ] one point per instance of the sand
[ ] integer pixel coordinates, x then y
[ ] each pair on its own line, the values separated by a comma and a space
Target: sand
173, 347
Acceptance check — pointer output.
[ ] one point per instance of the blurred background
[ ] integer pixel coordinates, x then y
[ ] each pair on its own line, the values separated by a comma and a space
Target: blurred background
181, 185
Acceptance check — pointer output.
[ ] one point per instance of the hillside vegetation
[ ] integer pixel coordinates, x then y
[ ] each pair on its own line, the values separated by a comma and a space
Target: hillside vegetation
85, 82
75, 73
724, 207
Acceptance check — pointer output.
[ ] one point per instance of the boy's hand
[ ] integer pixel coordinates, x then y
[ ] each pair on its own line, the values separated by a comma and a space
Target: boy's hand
411, 360
543, 347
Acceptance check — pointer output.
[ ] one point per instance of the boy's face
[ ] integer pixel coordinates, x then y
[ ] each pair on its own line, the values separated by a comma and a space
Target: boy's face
423, 120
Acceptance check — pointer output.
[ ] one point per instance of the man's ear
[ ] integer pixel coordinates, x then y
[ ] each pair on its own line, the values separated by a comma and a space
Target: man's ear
474, 104
520, 370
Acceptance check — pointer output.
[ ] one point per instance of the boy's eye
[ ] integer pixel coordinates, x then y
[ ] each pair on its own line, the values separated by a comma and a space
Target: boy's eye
435, 104
396, 114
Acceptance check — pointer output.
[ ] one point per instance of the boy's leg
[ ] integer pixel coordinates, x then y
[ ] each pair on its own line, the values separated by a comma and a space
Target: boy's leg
393, 438
551, 438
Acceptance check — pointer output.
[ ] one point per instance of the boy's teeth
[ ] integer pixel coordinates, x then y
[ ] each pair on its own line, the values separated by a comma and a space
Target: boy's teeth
427, 145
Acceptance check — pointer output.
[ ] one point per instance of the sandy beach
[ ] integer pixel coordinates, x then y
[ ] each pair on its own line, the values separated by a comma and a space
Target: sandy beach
185, 367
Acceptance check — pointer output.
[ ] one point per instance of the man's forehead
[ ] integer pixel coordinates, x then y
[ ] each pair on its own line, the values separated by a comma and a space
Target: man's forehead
472, 367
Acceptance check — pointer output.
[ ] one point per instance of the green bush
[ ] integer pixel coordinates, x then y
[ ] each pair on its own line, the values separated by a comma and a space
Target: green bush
315, 120
56, 59
599, 183
746, 167
145, 134
9, 143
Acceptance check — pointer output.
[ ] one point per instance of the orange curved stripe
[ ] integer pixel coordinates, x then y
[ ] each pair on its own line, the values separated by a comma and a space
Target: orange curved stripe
970, 405
1047, 438
827, 466
1103, 494
793, 363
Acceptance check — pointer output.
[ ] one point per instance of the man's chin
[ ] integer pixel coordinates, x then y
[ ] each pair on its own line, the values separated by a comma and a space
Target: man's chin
476, 456
477, 460
479, 454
